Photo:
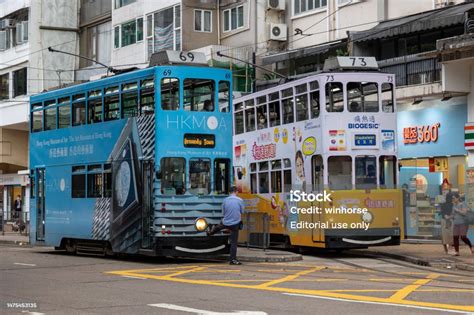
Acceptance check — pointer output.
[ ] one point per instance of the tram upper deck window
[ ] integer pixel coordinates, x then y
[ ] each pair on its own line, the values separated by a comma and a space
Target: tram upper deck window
147, 96
130, 100
388, 172
239, 120
111, 103
262, 117
64, 112
249, 115
334, 97
366, 172
95, 106
274, 109
287, 105
340, 172
50, 114
224, 96
362, 97
78, 109
37, 120
199, 95
173, 176
200, 176
314, 99
170, 93
387, 98
301, 102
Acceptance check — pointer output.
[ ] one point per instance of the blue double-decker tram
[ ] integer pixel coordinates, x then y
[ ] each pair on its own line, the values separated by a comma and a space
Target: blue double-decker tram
134, 163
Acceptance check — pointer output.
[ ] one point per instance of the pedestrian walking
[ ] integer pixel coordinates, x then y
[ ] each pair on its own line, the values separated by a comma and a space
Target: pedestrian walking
461, 225
447, 221
232, 208
17, 207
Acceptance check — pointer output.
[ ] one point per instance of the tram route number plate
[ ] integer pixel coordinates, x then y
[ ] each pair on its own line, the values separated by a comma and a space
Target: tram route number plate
193, 140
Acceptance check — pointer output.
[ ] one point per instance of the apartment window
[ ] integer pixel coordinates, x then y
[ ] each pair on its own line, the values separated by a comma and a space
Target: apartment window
233, 18
4, 86
21, 32
139, 29
121, 3
117, 37
129, 33
4, 40
301, 6
19, 82
202, 21
164, 30
96, 42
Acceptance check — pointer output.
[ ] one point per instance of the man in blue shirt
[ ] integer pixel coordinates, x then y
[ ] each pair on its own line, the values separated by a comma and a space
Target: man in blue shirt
232, 208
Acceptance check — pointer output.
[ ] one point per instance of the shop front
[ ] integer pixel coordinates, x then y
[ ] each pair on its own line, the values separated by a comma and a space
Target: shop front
432, 160
11, 186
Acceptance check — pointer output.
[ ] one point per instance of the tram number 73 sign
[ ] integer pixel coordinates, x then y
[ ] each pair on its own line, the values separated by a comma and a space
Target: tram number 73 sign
421, 134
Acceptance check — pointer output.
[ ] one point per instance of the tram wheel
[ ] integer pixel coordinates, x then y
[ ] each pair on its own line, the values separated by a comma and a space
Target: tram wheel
70, 246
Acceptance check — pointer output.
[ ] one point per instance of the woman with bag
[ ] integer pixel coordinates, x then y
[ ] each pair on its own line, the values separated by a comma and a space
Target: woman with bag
460, 211
447, 221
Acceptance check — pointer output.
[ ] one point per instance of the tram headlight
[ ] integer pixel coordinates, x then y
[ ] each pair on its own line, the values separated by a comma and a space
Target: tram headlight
200, 224
367, 217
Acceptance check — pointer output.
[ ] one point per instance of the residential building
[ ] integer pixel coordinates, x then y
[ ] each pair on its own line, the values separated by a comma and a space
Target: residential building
27, 29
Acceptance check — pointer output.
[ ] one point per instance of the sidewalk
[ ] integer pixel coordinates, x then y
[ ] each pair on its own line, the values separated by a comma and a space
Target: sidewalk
426, 254
14, 238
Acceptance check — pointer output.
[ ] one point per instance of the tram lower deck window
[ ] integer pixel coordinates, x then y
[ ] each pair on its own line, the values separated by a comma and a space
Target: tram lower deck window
340, 172
200, 176
366, 172
173, 176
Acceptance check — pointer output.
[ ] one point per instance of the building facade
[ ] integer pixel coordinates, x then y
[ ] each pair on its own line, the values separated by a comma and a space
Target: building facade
27, 29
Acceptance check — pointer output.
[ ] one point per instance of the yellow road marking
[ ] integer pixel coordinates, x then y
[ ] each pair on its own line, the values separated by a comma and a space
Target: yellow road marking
179, 273
404, 292
289, 277
389, 279
322, 293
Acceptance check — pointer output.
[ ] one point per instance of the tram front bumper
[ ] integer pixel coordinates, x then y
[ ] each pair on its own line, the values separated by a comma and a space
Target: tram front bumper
361, 238
192, 246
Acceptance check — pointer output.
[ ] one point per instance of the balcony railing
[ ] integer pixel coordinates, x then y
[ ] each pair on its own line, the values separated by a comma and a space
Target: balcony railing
412, 69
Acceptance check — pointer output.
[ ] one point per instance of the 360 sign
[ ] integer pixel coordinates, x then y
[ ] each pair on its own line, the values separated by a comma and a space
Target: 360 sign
421, 134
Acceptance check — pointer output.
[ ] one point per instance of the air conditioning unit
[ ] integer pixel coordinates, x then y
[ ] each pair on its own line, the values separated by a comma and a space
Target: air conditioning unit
278, 32
278, 5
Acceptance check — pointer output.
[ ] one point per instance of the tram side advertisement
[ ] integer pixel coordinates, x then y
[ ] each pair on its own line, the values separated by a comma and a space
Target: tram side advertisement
301, 206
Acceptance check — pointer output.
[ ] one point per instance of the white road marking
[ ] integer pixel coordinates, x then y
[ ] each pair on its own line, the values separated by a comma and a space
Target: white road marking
32, 313
201, 312
23, 264
377, 303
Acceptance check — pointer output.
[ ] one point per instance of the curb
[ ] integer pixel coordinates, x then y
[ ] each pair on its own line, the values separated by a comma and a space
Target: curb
13, 242
269, 258
423, 262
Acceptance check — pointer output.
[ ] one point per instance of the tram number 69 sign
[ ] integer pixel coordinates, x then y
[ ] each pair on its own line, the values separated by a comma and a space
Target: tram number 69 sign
421, 134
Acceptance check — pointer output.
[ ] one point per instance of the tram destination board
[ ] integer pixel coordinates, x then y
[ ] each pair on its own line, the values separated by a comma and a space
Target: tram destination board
192, 140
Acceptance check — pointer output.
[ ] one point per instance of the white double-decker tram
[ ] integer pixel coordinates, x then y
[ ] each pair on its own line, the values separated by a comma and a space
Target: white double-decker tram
333, 131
